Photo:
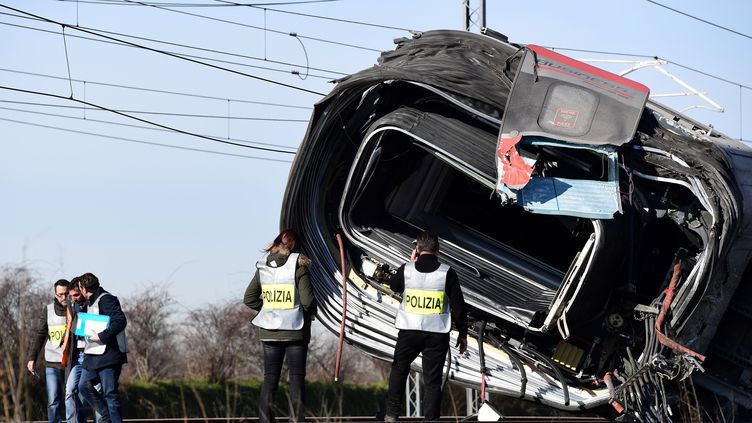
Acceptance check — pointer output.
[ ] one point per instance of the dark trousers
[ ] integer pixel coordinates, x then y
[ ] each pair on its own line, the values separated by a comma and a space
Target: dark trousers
274, 355
410, 343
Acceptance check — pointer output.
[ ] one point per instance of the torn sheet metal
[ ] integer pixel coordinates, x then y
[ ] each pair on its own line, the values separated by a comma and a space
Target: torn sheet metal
559, 98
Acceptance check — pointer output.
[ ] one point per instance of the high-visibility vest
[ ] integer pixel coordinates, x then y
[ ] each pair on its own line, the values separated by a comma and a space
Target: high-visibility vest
96, 347
281, 308
424, 303
53, 349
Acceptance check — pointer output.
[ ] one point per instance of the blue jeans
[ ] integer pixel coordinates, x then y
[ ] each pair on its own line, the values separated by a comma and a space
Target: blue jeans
76, 409
107, 402
54, 378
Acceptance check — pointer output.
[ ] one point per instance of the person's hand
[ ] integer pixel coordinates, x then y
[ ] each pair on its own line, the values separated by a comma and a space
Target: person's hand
414, 255
30, 366
462, 343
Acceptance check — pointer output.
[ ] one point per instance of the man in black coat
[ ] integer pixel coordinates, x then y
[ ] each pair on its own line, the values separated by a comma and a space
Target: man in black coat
431, 294
104, 351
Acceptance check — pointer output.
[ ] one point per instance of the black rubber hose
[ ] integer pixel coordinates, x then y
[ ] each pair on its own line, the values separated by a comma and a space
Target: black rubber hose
553, 367
516, 360
481, 352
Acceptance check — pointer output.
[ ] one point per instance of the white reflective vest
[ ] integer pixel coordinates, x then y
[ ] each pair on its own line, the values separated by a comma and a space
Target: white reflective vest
96, 347
281, 309
424, 303
53, 349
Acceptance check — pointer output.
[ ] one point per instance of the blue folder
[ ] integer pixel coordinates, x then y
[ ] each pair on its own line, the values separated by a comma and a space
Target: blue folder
88, 319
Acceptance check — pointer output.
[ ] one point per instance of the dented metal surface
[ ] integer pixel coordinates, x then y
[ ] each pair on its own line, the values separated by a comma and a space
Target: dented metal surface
575, 304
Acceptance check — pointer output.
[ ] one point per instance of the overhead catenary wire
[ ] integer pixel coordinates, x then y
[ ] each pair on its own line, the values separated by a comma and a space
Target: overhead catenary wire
174, 44
173, 52
129, 125
181, 131
167, 4
308, 15
165, 52
112, 137
154, 90
245, 25
145, 112
710, 75
700, 19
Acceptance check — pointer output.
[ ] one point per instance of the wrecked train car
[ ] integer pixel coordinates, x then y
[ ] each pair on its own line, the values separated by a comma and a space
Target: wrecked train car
601, 241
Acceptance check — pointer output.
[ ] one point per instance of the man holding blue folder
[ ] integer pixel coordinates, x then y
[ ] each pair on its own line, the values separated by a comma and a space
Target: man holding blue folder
105, 351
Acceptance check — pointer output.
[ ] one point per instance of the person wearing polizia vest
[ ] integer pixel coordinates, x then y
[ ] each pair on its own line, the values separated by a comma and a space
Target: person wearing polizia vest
104, 352
431, 301
50, 332
281, 293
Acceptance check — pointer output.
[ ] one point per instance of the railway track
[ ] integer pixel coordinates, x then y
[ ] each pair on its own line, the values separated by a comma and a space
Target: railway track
510, 419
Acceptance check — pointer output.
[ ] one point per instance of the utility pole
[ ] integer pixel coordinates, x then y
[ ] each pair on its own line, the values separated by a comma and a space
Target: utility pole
466, 10
468, 20
482, 15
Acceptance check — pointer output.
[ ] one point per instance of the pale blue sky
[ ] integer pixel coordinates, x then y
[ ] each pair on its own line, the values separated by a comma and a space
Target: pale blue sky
138, 214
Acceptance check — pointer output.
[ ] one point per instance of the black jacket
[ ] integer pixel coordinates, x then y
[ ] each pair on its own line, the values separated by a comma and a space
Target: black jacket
39, 338
109, 306
252, 299
428, 263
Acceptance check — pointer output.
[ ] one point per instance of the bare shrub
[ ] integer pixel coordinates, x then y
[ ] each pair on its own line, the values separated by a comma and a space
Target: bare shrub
355, 366
152, 338
220, 343
21, 301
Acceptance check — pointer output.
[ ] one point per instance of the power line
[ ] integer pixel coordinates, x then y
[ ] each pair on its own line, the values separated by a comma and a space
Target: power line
164, 52
188, 46
709, 75
144, 112
128, 125
144, 120
112, 137
328, 18
130, 87
286, 3
275, 31
700, 19
175, 53
612, 53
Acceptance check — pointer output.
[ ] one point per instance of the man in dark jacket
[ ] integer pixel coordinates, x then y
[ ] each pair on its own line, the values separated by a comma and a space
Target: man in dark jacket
104, 352
431, 301
50, 332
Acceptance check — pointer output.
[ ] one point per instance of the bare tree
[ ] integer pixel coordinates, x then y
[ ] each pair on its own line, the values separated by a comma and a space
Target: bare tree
220, 343
355, 366
21, 300
151, 335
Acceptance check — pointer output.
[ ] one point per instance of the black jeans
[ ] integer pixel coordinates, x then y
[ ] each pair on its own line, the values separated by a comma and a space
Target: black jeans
410, 343
274, 355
